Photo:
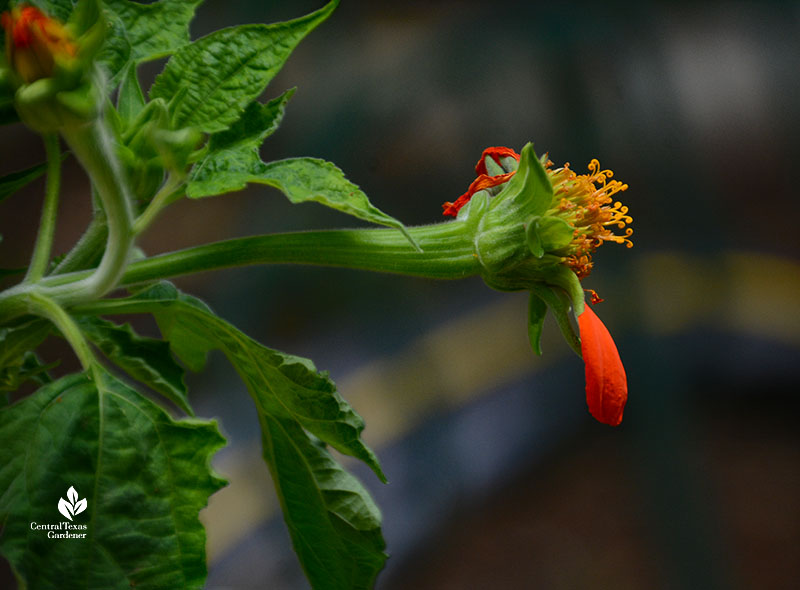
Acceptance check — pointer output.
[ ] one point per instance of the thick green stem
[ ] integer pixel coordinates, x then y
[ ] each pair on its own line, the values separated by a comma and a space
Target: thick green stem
92, 145
47, 226
447, 253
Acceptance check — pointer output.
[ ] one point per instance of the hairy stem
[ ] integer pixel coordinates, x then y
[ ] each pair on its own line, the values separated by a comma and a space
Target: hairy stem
45, 307
47, 226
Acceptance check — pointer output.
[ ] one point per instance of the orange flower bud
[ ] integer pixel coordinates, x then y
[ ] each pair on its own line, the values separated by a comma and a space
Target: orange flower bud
34, 42
606, 382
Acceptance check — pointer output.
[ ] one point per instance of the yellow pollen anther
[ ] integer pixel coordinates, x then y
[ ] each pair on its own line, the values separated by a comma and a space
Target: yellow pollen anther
585, 202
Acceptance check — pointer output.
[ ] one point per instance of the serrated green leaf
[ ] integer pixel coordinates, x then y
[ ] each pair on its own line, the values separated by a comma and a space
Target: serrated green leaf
210, 81
143, 475
310, 179
154, 30
300, 179
146, 359
258, 122
284, 385
334, 524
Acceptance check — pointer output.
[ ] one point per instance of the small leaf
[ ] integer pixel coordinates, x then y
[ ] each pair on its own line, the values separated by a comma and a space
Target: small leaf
537, 309
130, 101
145, 359
144, 476
11, 183
309, 179
209, 82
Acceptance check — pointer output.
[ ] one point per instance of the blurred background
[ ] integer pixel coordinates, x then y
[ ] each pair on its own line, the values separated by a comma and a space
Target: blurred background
499, 478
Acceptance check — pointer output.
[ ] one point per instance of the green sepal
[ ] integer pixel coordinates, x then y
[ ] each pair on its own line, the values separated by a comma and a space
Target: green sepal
546, 234
500, 238
560, 304
537, 309
47, 106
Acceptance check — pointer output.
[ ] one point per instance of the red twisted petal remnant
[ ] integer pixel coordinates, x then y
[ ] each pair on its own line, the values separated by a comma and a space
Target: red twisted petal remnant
606, 383
484, 180
495, 153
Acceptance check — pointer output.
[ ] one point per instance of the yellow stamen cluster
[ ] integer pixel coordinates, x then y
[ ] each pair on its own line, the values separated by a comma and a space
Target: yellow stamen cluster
585, 202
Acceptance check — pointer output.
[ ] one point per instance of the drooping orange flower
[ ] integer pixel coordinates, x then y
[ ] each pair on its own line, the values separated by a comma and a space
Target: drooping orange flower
606, 382
34, 41
584, 205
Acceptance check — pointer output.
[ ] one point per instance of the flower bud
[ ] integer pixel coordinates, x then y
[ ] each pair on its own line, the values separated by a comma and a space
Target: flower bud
35, 42
51, 65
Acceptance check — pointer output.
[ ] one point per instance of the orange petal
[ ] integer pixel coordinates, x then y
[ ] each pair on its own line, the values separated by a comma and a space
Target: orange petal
483, 181
496, 153
606, 383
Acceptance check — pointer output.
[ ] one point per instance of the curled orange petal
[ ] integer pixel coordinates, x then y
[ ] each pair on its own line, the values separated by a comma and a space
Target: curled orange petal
495, 153
606, 383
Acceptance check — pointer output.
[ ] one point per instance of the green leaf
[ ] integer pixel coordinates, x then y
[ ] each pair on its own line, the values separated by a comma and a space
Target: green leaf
14, 342
210, 81
144, 477
310, 179
258, 122
154, 30
11, 183
130, 101
537, 309
30, 368
300, 179
146, 359
334, 524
